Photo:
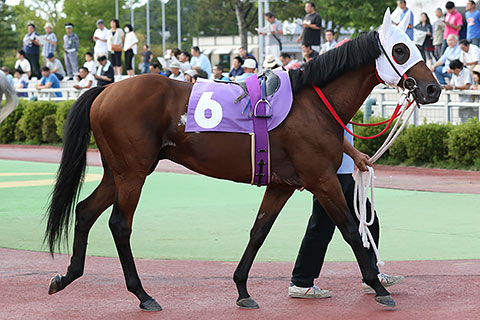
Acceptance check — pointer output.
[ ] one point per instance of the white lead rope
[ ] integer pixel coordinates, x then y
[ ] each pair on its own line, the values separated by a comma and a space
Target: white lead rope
364, 181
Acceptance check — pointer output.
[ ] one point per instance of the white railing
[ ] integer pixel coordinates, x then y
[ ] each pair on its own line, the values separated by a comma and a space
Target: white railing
50, 94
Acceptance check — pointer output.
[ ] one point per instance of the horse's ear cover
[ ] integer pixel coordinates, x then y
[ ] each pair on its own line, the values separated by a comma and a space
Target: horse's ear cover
387, 23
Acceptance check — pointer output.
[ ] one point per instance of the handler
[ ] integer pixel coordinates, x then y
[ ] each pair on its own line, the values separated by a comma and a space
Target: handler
320, 231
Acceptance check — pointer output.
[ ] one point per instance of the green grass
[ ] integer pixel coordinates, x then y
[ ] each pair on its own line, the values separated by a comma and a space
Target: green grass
194, 217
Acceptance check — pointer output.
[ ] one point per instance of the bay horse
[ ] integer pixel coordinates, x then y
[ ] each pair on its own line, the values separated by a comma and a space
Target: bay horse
138, 122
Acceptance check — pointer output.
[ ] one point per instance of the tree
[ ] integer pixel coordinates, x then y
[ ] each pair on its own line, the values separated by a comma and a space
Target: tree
8, 36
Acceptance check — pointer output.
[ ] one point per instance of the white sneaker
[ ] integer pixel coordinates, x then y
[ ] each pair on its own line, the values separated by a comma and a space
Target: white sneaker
311, 292
385, 279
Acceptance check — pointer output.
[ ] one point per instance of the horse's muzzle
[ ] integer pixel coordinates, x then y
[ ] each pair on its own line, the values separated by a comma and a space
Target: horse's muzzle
426, 94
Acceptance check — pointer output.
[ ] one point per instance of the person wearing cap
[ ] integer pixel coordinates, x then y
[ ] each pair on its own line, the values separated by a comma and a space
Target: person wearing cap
49, 80
50, 42
218, 73
105, 74
55, 66
200, 61
248, 68
270, 62
31, 47
470, 55
100, 37
288, 63
70, 44
189, 74
177, 74
275, 30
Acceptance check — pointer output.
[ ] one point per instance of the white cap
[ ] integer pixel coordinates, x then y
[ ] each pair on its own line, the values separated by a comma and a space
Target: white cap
249, 63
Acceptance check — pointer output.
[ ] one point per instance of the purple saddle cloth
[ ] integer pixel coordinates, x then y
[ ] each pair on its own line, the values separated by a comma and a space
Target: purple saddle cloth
212, 106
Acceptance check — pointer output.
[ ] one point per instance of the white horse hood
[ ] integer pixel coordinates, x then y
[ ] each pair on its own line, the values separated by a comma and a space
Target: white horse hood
390, 36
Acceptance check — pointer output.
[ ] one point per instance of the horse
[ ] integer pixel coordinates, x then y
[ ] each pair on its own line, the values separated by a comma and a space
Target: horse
10, 97
138, 122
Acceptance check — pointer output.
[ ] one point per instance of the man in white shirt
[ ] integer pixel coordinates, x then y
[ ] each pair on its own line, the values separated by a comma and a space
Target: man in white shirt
89, 63
23, 64
200, 61
177, 74
275, 30
88, 81
184, 59
462, 79
470, 55
330, 41
55, 66
100, 37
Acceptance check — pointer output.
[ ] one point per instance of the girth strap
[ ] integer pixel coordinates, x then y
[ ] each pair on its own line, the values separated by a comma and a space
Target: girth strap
261, 112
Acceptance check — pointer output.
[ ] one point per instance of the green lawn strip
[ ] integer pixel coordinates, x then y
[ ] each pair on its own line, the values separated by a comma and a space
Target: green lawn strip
194, 217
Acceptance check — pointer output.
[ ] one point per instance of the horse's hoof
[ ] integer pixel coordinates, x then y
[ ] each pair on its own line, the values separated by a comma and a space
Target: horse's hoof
55, 284
150, 305
386, 301
247, 303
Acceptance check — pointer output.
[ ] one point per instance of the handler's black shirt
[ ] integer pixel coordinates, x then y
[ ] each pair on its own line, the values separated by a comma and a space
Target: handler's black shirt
311, 36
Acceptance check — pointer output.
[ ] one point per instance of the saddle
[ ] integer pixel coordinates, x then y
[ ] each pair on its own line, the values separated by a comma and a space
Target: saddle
272, 84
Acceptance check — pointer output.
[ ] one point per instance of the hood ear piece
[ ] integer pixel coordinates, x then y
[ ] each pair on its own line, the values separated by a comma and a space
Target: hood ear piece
387, 24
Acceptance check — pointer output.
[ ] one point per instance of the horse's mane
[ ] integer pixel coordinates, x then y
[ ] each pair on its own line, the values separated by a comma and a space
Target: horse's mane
333, 63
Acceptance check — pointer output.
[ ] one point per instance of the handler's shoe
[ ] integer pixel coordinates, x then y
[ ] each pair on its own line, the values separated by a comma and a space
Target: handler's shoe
308, 293
385, 279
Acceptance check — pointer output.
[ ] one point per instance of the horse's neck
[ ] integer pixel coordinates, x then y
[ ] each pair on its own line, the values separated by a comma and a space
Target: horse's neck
351, 90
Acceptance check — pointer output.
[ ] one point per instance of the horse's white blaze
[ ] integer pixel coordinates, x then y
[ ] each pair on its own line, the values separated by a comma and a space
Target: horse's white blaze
390, 36
207, 103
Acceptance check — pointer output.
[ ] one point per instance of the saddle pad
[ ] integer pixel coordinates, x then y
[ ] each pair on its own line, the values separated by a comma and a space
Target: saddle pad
211, 107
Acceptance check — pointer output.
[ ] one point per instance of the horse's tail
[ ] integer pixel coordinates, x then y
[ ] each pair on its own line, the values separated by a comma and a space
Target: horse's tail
11, 97
72, 168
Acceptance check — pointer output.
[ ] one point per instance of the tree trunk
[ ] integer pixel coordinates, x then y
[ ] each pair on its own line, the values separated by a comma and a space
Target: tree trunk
241, 24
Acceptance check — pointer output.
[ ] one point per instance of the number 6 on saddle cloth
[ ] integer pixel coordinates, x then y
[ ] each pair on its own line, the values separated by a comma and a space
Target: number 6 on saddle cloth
214, 107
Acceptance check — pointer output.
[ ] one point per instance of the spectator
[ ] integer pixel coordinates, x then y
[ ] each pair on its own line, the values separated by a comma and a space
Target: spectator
402, 4
89, 63
23, 65
453, 51
31, 47
130, 48
156, 69
9, 77
273, 42
270, 62
100, 37
71, 44
19, 82
476, 79
87, 79
462, 79
288, 63
248, 68
473, 23
470, 55
147, 57
308, 53
424, 42
200, 61
49, 80
55, 66
245, 55
237, 69
438, 31
50, 42
177, 74
184, 59
218, 73
312, 26
114, 43
105, 74
329, 41
453, 23
189, 74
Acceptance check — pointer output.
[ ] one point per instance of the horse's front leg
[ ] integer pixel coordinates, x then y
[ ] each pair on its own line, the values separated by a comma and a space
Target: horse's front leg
273, 201
329, 193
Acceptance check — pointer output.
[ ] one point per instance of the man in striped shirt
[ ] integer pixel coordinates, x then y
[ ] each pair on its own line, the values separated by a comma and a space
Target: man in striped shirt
50, 42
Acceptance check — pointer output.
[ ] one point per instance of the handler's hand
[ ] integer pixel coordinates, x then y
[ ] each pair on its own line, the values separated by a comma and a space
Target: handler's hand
362, 160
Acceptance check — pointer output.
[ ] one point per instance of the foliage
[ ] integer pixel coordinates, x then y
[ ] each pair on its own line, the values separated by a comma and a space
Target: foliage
33, 116
427, 143
370, 146
464, 143
8, 125
398, 150
8, 37
49, 129
19, 134
63, 108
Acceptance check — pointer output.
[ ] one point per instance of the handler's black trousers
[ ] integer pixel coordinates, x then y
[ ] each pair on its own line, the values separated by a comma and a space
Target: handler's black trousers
319, 233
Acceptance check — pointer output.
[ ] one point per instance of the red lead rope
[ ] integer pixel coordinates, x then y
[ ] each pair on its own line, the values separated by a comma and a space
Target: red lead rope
335, 115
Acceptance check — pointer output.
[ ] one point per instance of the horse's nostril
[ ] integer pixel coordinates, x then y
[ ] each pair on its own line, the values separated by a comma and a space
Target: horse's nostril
433, 90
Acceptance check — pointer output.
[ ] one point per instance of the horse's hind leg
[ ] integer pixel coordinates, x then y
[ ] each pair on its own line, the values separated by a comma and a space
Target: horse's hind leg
87, 213
273, 201
329, 194
129, 187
